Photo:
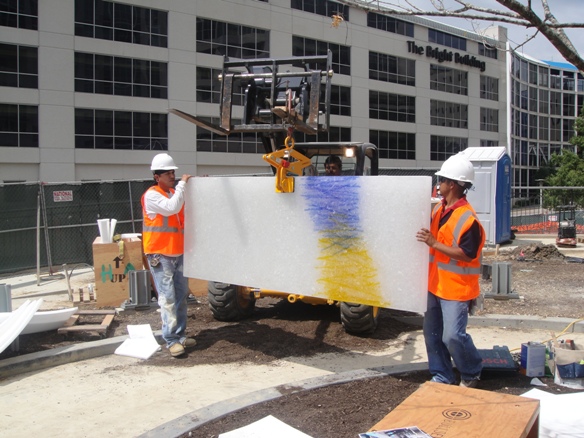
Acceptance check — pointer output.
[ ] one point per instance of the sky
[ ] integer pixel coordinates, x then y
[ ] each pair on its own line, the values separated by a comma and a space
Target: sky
540, 47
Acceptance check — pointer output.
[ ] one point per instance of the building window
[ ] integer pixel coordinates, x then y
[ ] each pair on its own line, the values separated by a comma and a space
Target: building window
555, 103
489, 88
335, 134
21, 14
340, 100
449, 114
533, 74
555, 129
568, 125
121, 22
544, 125
394, 107
489, 52
237, 143
533, 126
555, 79
488, 143
568, 80
449, 80
326, 8
232, 40
533, 99
120, 130
489, 120
441, 148
544, 101
388, 68
18, 66
19, 126
543, 77
308, 47
446, 39
394, 145
102, 74
569, 105
208, 87
390, 24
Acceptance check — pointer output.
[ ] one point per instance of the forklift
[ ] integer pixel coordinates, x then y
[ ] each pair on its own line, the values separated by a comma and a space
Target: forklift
275, 104
566, 226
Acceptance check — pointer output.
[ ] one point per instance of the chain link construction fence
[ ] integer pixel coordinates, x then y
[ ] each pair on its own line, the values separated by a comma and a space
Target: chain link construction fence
56, 223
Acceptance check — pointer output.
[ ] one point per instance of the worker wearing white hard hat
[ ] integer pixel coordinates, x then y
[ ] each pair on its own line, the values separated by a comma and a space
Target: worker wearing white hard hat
455, 238
163, 242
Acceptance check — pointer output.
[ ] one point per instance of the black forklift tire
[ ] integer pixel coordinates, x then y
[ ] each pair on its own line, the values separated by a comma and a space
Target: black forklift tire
359, 319
229, 302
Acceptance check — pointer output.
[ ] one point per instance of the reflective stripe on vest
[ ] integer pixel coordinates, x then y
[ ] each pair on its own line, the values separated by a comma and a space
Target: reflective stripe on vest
165, 228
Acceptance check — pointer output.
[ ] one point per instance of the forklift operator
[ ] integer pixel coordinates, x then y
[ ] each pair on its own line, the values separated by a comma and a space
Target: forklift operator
333, 165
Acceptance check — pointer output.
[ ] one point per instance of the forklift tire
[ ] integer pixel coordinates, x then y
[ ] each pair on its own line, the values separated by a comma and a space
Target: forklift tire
359, 319
229, 302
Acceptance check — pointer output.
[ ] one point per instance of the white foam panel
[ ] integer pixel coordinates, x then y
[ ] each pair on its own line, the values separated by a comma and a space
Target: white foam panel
345, 238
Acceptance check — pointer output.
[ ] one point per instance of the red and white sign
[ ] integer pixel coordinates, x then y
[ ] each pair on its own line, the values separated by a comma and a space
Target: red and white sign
63, 196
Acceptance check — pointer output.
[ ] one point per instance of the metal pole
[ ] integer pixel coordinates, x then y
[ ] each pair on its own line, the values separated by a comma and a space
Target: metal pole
47, 241
38, 240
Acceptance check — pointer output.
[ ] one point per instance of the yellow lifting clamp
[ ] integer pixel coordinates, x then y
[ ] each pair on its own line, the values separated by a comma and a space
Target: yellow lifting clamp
281, 160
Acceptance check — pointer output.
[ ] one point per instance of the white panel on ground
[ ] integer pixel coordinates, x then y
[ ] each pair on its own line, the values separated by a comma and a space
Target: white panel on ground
346, 238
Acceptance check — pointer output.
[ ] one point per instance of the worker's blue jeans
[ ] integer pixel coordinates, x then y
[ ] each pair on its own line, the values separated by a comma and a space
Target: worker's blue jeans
446, 340
173, 291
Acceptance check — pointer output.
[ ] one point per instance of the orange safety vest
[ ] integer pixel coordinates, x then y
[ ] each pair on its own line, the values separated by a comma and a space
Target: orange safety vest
448, 278
163, 234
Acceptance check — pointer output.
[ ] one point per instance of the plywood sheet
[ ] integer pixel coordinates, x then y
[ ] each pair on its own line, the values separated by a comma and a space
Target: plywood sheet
345, 238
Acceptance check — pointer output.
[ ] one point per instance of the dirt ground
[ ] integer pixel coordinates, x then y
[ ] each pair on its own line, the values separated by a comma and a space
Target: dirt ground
546, 282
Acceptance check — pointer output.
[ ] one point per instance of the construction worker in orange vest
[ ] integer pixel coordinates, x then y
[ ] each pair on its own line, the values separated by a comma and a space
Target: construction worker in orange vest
456, 239
163, 242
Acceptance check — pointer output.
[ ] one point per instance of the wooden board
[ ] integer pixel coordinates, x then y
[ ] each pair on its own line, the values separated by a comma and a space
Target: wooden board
449, 411
344, 238
111, 271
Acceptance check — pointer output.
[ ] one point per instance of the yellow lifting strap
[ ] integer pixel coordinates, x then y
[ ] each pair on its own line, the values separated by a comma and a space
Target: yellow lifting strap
281, 160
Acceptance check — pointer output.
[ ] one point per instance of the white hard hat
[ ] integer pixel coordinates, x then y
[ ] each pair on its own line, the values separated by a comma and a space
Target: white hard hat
163, 162
457, 168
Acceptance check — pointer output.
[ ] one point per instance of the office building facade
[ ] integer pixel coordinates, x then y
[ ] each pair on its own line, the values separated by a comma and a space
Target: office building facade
86, 85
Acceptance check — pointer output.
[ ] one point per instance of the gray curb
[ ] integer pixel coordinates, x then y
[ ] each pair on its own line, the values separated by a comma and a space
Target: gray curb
199, 417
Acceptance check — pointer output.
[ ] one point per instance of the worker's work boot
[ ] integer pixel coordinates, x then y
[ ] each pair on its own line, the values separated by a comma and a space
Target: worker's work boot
188, 343
176, 349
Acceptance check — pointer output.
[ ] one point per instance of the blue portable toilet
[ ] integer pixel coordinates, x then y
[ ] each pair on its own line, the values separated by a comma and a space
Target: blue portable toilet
490, 195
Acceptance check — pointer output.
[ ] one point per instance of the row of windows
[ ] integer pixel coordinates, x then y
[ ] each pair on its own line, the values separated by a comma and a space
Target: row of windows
449, 114
120, 76
489, 52
545, 101
120, 130
489, 120
546, 77
535, 127
449, 80
446, 39
18, 66
388, 68
326, 8
489, 88
19, 125
308, 47
390, 24
441, 148
394, 145
21, 14
395, 107
232, 40
534, 154
121, 22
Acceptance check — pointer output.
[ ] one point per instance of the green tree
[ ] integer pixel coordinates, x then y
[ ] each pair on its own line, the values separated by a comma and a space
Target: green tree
578, 139
568, 171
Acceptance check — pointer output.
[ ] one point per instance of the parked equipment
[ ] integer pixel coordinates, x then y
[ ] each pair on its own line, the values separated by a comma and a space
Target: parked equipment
566, 225
275, 104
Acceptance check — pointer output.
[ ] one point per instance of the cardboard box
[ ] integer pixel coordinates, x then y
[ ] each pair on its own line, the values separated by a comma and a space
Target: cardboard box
111, 267
569, 365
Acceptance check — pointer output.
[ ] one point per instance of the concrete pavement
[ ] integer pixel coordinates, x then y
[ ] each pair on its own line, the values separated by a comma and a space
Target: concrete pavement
125, 397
